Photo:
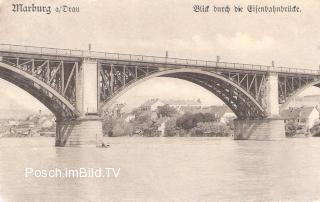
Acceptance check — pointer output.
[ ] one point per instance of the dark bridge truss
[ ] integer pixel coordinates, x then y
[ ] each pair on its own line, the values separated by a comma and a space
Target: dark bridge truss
255, 83
290, 84
115, 76
58, 74
252, 82
238, 102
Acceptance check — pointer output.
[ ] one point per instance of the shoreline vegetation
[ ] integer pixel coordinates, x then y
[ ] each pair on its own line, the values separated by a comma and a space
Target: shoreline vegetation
167, 121
155, 119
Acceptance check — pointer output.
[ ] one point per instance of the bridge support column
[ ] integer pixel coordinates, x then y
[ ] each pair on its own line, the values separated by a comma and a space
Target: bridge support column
272, 95
87, 129
87, 96
83, 132
264, 129
270, 128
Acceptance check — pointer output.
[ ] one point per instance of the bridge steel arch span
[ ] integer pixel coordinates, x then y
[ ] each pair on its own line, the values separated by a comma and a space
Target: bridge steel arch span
238, 99
59, 105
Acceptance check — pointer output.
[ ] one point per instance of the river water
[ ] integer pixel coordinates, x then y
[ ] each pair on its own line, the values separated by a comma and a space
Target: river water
165, 169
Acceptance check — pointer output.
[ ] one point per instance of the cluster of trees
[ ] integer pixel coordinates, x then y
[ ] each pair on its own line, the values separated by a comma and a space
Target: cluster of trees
166, 111
210, 129
188, 124
293, 128
142, 125
315, 130
196, 124
189, 120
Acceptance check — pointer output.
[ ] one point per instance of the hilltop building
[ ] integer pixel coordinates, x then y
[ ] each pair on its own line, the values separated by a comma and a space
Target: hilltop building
179, 105
116, 111
223, 113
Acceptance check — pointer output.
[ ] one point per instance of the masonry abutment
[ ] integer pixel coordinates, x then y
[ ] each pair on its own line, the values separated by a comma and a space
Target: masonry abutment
270, 128
86, 130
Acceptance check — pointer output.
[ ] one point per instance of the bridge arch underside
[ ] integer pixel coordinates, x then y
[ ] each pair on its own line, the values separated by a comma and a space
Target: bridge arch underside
238, 101
38, 91
234, 96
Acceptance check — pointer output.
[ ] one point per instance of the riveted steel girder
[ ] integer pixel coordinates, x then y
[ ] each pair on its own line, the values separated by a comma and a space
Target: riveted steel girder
52, 82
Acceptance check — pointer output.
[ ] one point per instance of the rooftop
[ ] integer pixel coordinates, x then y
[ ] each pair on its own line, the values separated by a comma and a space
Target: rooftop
172, 102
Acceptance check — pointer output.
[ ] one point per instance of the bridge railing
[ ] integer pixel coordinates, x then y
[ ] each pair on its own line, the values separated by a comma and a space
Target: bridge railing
150, 59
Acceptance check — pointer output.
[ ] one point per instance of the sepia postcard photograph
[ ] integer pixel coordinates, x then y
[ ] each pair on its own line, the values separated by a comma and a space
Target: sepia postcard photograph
159, 100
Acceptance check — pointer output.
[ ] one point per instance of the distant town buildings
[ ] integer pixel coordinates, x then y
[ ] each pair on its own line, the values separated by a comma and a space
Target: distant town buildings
151, 105
307, 101
33, 125
129, 117
223, 113
115, 111
179, 105
155, 117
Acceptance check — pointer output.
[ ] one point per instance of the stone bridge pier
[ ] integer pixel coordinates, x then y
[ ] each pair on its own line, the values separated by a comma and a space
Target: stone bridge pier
87, 129
270, 128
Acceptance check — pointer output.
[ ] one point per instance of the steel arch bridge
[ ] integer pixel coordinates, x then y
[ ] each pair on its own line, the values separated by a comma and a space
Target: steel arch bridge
44, 80
242, 87
75, 84
237, 98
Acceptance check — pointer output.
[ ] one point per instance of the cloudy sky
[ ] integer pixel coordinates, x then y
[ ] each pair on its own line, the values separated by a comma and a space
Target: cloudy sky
151, 27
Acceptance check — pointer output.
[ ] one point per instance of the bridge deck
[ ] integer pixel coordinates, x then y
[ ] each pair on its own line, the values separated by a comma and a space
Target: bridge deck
9, 48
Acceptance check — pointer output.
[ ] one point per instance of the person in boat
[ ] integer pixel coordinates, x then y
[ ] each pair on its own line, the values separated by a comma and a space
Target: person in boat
104, 145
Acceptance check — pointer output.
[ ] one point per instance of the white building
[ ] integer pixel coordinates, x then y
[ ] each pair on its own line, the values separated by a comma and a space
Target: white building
227, 116
307, 116
162, 128
151, 105
129, 117
180, 105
